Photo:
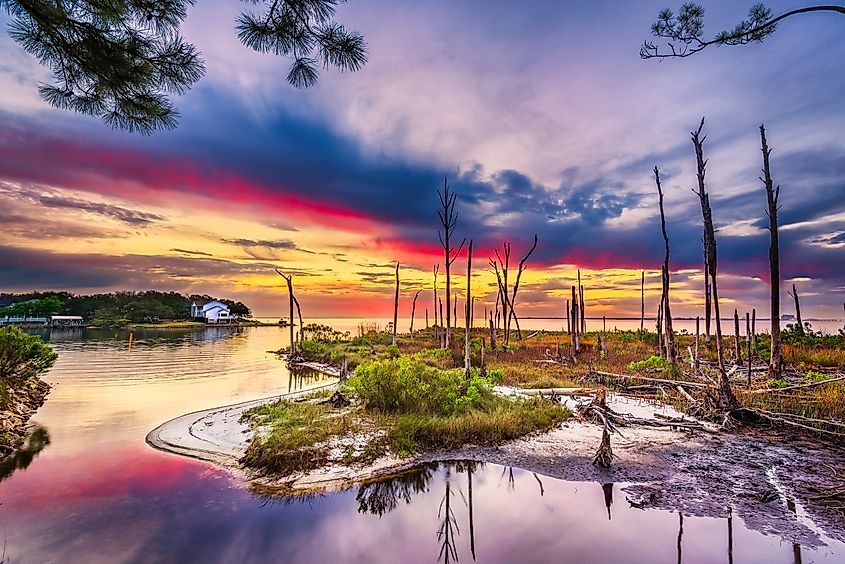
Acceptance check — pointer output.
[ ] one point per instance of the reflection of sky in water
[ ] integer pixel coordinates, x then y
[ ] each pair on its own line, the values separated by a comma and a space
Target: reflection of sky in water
98, 494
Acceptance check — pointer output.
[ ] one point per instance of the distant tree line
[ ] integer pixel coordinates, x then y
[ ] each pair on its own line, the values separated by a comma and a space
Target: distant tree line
114, 308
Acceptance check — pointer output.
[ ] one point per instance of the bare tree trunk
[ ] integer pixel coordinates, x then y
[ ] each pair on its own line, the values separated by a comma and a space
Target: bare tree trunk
426, 318
300, 336
727, 398
583, 326
667, 312
697, 364
467, 360
289, 280
575, 331
396, 305
568, 317
748, 345
442, 332
794, 295
660, 339
642, 302
707, 295
492, 334
436, 324
754, 327
772, 196
736, 337
448, 218
413, 311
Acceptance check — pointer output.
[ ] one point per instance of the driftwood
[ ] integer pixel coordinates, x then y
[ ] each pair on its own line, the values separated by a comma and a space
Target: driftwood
790, 420
559, 391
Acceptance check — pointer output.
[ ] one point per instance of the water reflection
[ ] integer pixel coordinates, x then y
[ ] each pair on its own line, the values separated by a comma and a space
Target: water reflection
22, 458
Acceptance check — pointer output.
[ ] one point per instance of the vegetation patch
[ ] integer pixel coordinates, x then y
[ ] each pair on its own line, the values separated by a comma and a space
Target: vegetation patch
401, 406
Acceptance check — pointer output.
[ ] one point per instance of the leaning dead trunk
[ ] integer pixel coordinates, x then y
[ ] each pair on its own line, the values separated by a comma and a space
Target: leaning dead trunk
772, 196
413, 311
667, 312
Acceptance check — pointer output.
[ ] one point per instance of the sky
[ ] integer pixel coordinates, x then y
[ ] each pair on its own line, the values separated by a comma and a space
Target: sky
541, 115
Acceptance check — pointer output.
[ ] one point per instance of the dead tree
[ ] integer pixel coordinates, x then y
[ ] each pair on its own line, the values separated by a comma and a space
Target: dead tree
754, 326
568, 318
667, 312
772, 195
289, 279
576, 341
736, 336
581, 310
448, 218
794, 295
396, 305
748, 345
642, 302
726, 395
707, 295
501, 267
413, 311
436, 270
697, 360
468, 316
300, 334
442, 332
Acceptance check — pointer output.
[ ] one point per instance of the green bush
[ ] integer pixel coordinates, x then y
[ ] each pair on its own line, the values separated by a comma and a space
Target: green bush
406, 385
22, 356
652, 362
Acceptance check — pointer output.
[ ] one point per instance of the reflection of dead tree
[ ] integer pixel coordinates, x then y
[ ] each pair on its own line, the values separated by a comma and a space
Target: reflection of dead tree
381, 497
542, 490
680, 534
501, 266
730, 536
289, 279
448, 218
607, 489
449, 524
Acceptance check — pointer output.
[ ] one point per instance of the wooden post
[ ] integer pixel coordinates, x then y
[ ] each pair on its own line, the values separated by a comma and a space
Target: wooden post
736, 336
426, 318
748, 344
468, 315
396, 304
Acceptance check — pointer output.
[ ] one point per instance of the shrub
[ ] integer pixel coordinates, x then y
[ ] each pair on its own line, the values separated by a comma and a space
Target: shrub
652, 362
406, 385
22, 356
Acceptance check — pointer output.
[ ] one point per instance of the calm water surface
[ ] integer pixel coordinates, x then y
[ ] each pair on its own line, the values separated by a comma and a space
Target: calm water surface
98, 493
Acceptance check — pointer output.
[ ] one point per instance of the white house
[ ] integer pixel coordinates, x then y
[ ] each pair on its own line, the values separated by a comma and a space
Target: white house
212, 311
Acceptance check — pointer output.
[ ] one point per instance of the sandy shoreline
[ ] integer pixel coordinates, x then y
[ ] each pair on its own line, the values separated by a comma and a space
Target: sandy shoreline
697, 473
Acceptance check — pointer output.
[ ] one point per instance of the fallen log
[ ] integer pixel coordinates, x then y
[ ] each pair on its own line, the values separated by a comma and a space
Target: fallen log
796, 387
657, 380
558, 391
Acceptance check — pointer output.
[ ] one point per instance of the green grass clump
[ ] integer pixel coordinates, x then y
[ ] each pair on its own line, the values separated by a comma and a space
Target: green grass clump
293, 436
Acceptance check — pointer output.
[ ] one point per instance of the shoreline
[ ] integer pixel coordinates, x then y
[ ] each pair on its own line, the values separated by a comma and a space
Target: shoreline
694, 473
24, 399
